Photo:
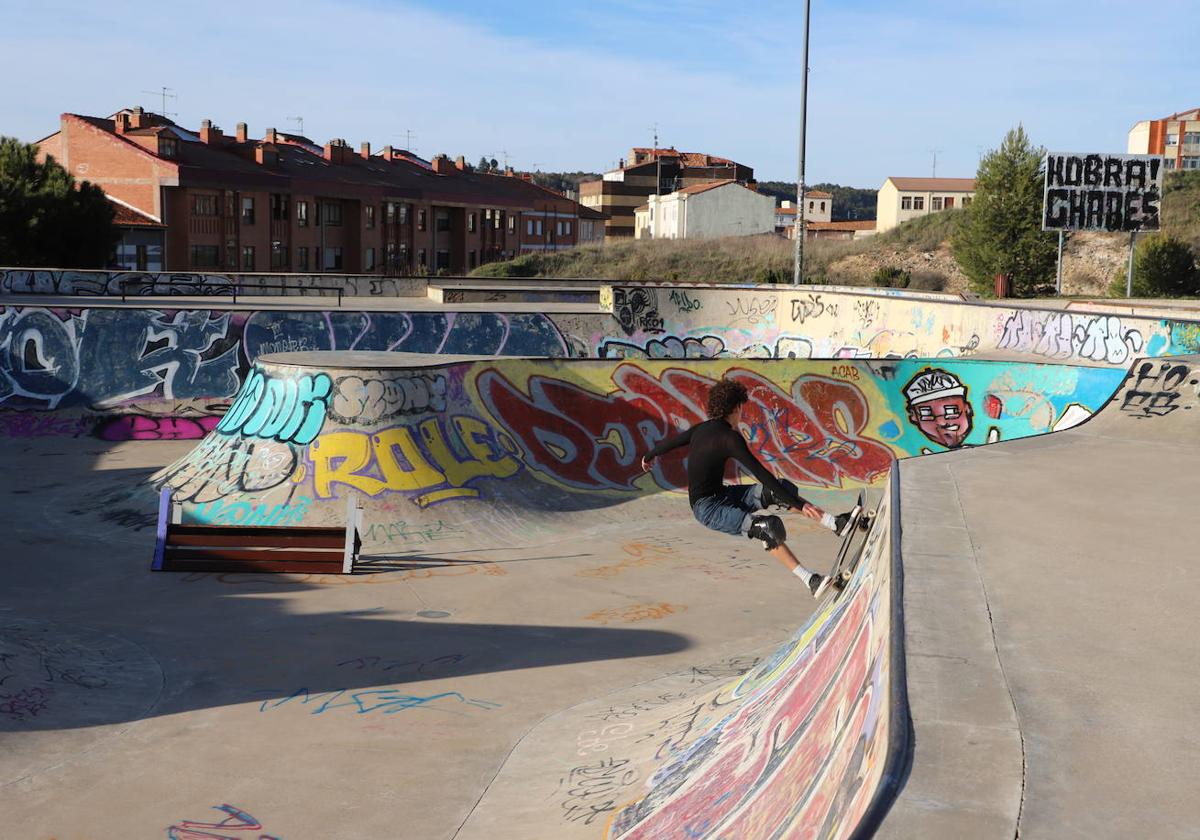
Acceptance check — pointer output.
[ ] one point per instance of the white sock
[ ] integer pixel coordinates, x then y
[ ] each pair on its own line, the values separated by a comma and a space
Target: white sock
828, 521
803, 573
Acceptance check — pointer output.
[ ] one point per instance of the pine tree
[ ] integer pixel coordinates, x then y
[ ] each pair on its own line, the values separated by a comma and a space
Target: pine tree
1002, 232
44, 220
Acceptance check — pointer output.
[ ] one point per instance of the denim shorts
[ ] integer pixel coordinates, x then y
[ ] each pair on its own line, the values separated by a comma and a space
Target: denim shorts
729, 511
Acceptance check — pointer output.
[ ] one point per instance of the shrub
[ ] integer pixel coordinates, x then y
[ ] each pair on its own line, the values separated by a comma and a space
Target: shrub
891, 277
1163, 266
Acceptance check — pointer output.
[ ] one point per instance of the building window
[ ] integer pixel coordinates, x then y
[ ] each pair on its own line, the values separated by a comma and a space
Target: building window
470, 223
421, 221
471, 260
949, 202
966, 202
512, 224
537, 227
302, 213
822, 206
247, 211
1191, 138
231, 255
389, 212
1191, 162
279, 207
205, 256
906, 202
443, 261
421, 255
918, 202
279, 255
1170, 163
811, 204
204, 205
567, 228
369, 210
529, 227
404, 258
1172, 139
331, 214
332, 259
935, 203
302, 258
168, 147
442, 221
369, 260
403, 210
497, 221
247, 258
558, 228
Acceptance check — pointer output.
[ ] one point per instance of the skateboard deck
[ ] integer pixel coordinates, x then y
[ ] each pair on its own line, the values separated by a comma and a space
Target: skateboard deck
844, 567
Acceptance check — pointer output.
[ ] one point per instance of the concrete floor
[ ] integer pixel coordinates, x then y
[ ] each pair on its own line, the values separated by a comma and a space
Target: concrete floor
379, 705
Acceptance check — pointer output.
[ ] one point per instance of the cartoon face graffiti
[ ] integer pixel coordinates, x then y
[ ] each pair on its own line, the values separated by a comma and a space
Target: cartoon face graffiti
937, 405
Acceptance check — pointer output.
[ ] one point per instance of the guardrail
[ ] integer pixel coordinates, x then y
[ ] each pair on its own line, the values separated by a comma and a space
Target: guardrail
283, 287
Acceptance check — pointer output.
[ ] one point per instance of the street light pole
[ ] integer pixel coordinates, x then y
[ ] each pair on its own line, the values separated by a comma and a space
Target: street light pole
798, 271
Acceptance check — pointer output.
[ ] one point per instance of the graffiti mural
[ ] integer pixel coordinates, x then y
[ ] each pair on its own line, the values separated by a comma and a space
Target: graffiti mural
288, 408
938, 406
587, 440
237, 821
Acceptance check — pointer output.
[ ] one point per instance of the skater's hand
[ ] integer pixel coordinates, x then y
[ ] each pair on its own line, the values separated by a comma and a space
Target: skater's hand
812, 512
646, 462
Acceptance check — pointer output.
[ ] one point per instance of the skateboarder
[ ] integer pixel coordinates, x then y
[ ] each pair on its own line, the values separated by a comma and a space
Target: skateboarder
734, 509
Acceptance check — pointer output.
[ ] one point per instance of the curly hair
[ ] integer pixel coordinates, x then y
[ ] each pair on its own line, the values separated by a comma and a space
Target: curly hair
724, 397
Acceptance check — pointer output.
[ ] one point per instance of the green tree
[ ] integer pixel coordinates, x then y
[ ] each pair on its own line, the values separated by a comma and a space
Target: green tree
1002, 230
44, 219
1163, 266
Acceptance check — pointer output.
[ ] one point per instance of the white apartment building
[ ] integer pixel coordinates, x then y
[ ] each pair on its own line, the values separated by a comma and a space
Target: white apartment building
901, 199
722, 208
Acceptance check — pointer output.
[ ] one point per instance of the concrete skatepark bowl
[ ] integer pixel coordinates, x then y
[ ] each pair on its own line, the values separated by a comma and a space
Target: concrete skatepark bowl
539, 641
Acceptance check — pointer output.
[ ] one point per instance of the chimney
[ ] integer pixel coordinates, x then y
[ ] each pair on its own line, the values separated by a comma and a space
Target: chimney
364, 151
508, 170
209, 133
335, 151
270, 136
241, 132
138, 118
443, 166
460, 163
121, 122
389, 154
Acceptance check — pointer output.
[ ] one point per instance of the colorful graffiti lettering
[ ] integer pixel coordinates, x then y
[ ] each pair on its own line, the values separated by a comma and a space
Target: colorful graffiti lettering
1156, 389
356, 399
220, 512
1063, 336
289, 410
220, 466
422, 460
386, 701
141, 427
235, 820
593, 441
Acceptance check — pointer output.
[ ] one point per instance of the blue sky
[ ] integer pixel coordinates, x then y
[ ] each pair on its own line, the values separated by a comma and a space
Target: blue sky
573, 85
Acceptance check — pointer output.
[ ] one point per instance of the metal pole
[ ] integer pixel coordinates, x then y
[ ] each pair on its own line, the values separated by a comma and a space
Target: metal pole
1058, 275
1129, 275
798, 270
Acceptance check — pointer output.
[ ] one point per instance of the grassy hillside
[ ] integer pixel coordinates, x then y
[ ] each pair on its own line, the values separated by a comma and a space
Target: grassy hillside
919, 246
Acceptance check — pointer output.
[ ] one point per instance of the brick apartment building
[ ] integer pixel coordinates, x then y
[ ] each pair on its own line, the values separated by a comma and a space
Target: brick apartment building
649, 172
280, 203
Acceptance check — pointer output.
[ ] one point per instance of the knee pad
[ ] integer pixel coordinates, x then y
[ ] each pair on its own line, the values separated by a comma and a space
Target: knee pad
769, 529
769, 499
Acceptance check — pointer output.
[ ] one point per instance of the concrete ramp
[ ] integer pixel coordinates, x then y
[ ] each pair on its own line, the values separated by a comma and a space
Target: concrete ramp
799, 746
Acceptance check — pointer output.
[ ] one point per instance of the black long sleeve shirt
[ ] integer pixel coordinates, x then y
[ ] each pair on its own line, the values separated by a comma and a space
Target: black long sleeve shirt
711, 444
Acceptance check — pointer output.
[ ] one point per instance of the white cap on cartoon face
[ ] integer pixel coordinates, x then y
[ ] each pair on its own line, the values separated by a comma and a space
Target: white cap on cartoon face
934, 385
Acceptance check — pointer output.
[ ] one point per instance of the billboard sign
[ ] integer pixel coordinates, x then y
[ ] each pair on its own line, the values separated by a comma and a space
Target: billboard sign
1113, 193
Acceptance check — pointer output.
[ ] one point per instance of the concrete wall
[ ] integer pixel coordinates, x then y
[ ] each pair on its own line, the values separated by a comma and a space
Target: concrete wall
732, 210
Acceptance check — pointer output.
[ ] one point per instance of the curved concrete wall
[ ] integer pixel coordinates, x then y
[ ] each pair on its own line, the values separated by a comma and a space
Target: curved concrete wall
138, 372
436, 443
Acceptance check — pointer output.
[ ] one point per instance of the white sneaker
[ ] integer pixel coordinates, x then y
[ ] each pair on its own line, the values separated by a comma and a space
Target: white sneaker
817, 584
845, 519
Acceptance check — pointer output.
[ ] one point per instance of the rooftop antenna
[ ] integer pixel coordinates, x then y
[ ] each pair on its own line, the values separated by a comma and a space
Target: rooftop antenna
408, 138
165, 93
934, 152
299, 121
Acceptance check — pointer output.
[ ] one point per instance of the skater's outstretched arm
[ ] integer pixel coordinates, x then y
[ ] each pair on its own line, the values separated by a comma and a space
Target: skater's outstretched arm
665, 446
743, 455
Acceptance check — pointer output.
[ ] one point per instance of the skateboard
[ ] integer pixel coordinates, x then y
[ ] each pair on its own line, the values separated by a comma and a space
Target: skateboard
844, 567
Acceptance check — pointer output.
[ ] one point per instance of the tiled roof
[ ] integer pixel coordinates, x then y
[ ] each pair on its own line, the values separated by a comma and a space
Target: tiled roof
126, 216
689, 159
934, 184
